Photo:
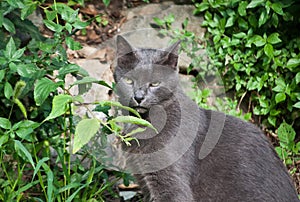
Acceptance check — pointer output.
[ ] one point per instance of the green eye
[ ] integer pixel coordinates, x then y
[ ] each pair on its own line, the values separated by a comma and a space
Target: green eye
154, 84
128, 81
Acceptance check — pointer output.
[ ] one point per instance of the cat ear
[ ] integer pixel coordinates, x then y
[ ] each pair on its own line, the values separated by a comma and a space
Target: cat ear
126, 55
170, 56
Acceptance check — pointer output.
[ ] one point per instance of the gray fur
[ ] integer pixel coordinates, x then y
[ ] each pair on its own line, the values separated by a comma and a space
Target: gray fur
242, 166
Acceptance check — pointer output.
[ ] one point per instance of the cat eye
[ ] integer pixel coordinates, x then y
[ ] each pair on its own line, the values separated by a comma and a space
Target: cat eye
128, 81
154, 84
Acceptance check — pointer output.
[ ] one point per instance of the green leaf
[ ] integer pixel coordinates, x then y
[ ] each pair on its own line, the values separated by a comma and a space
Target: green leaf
119, 105
3, 139
274, 38
9, 26
280, 97
59, 106
230, 21
5, 123
50, 179
2, 74
8, 90
53, 26
200, 7
286, 134
262, 18
50, 15
19, 147
293, 62
106, 2
43, 88
272, 120
38, 165
255, 3
133, 120
242, 8
297, 105
28, 9
73, 45
70, 68
277, 8
297, 77
257, 40
84, 131
26, 70
158, 21
1, 18
10, 49
269, 51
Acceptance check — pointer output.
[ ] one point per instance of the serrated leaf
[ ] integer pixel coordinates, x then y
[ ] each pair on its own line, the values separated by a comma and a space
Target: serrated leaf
73, 45
269, 51
85, 130
133, 120
293, 62
42, 89
274, 38
280, 97
59, 106
297, 105
5, 123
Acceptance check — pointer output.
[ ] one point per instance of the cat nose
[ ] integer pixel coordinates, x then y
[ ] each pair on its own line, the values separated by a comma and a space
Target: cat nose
139, 96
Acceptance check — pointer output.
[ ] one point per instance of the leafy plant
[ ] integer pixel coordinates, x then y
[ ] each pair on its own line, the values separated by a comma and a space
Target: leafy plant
37, 117
288, 150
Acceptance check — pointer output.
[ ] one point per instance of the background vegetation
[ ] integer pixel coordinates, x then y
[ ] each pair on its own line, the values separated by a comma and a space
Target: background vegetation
254, 44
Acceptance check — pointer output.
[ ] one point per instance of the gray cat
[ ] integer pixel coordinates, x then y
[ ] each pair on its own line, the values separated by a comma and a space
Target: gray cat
197, 154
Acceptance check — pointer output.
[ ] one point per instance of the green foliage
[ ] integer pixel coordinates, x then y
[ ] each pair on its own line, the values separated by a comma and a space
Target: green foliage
37, 118
255, 45
288, 150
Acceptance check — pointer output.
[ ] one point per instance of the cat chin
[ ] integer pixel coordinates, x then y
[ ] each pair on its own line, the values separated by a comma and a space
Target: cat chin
141, 110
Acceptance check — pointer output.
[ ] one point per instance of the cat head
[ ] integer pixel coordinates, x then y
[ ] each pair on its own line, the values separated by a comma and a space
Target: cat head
145, 77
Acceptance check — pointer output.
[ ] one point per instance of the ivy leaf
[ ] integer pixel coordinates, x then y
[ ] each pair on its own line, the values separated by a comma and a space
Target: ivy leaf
280, 97
269, 51
84, 131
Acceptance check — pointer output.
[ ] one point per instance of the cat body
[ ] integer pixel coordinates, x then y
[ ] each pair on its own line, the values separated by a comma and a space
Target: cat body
197, 154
